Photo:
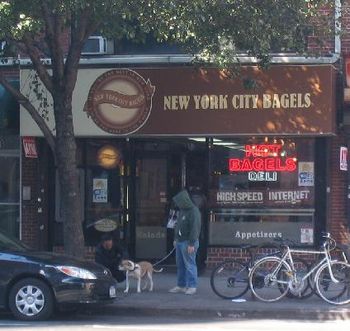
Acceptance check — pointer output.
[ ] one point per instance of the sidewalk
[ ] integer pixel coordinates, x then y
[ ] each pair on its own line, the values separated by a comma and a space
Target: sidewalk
205, 304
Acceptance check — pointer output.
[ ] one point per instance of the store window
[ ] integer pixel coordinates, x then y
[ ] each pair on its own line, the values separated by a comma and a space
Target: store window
9, 192
261, 189
9, 163
102, 183
104, 188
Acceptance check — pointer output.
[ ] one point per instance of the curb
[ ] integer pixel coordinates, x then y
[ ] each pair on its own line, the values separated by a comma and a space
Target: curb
236, 314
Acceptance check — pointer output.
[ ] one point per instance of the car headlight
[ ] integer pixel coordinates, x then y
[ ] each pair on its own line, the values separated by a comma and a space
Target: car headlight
76, 272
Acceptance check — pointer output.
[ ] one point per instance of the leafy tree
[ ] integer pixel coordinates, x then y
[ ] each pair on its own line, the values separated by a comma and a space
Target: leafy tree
216, 30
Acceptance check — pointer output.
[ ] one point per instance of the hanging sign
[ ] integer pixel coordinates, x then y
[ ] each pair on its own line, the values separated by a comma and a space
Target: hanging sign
105, 225
29, 147
343, 158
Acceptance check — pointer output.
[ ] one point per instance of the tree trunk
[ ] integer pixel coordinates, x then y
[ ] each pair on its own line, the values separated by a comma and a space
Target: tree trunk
66, 159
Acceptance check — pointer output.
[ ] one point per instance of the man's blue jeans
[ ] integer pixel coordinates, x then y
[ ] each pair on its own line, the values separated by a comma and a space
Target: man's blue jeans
187, 275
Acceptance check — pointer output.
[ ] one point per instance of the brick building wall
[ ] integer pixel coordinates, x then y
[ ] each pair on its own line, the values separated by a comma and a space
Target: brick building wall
35, 211
337, 215
345, 37
30, 225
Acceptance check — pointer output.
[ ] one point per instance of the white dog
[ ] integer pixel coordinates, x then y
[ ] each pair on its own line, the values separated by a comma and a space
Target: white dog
138, 270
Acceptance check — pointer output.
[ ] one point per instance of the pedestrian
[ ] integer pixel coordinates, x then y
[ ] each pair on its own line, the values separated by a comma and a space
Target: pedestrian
110, 254
186, 242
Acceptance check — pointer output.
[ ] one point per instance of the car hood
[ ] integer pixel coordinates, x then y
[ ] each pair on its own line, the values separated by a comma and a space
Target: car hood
49, 258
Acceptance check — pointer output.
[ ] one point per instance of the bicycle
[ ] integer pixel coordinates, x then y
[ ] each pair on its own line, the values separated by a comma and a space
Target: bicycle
271, 278
230, 279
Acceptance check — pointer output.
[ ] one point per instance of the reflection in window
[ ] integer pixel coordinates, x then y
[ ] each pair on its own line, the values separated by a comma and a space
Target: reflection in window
9, 192
9, 220
103, 189
261, 183
9, 179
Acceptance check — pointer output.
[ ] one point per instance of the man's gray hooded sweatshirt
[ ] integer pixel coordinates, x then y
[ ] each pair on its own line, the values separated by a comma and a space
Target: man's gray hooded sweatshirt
188, 226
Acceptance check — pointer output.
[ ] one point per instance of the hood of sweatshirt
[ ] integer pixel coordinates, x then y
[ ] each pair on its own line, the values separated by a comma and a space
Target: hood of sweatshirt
183, 200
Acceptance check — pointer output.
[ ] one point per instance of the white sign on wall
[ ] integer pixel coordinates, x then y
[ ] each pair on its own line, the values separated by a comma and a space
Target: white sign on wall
306, 174
343, 158
100, 190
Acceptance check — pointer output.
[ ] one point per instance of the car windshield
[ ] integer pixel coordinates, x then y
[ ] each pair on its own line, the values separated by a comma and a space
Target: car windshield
8, 243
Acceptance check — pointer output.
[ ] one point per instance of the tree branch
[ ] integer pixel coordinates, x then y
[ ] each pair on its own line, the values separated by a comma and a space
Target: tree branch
35, 57
24, 101
54, 28
79, 35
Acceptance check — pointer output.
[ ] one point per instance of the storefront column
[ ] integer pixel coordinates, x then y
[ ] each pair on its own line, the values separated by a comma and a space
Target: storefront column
337, 223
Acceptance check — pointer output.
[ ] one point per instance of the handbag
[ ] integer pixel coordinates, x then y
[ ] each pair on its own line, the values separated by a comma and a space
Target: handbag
172, 218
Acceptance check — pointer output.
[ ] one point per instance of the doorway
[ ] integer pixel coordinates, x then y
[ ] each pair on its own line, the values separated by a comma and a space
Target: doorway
151, 200
162, 168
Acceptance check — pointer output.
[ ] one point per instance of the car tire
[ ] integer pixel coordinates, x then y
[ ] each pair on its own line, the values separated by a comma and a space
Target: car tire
31, 299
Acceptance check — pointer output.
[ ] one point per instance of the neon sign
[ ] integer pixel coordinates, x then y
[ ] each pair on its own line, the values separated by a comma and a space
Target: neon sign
263, 158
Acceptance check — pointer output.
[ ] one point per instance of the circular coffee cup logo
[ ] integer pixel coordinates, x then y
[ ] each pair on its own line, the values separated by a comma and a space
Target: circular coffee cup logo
120, 101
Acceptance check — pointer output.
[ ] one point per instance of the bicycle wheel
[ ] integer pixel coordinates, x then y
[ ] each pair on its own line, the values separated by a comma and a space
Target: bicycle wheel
229, 280
269, 279
300, 289
337, 293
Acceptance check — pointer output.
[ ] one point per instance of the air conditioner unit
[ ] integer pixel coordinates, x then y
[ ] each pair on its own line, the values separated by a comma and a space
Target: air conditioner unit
95, 45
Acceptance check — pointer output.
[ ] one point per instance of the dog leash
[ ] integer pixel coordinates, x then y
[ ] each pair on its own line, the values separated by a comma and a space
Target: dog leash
164, 258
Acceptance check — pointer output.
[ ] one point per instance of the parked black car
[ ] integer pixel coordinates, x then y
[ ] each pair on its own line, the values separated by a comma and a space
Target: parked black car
33, 284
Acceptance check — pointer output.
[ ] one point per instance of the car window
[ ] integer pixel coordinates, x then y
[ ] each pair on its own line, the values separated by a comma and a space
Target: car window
11, 244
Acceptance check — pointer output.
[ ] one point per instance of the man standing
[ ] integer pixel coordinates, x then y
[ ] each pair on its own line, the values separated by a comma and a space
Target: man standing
187, 232
110, 255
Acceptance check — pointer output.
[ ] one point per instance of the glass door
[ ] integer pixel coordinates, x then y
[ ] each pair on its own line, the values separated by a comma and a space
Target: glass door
151, 202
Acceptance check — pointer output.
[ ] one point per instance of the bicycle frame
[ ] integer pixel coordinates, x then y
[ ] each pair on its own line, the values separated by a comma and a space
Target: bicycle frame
288, 258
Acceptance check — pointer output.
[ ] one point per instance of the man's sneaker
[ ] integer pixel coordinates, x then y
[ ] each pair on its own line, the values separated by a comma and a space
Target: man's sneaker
178, 289
191, 290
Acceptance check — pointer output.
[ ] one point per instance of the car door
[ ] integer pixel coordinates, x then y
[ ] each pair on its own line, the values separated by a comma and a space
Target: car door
7, 271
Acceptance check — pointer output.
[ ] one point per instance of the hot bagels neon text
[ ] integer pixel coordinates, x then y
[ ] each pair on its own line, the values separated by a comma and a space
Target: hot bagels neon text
263, 158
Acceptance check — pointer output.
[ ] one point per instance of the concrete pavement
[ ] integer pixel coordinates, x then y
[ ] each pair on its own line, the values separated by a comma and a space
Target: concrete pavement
206, 304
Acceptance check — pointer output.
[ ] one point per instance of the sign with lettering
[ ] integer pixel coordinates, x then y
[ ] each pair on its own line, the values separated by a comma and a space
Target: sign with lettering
263, 158
151, 242
306, 174
290, 100
343, 158
105, 225
238, 233
268, 198
100, 190
263, 162
29, 147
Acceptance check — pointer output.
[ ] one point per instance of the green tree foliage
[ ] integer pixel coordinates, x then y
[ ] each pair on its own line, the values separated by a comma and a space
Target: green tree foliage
214, 30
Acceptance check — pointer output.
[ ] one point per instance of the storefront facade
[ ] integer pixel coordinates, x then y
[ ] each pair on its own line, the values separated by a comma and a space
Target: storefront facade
252, 149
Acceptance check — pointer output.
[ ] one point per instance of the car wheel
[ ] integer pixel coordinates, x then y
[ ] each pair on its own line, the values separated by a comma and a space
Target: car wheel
31, 299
